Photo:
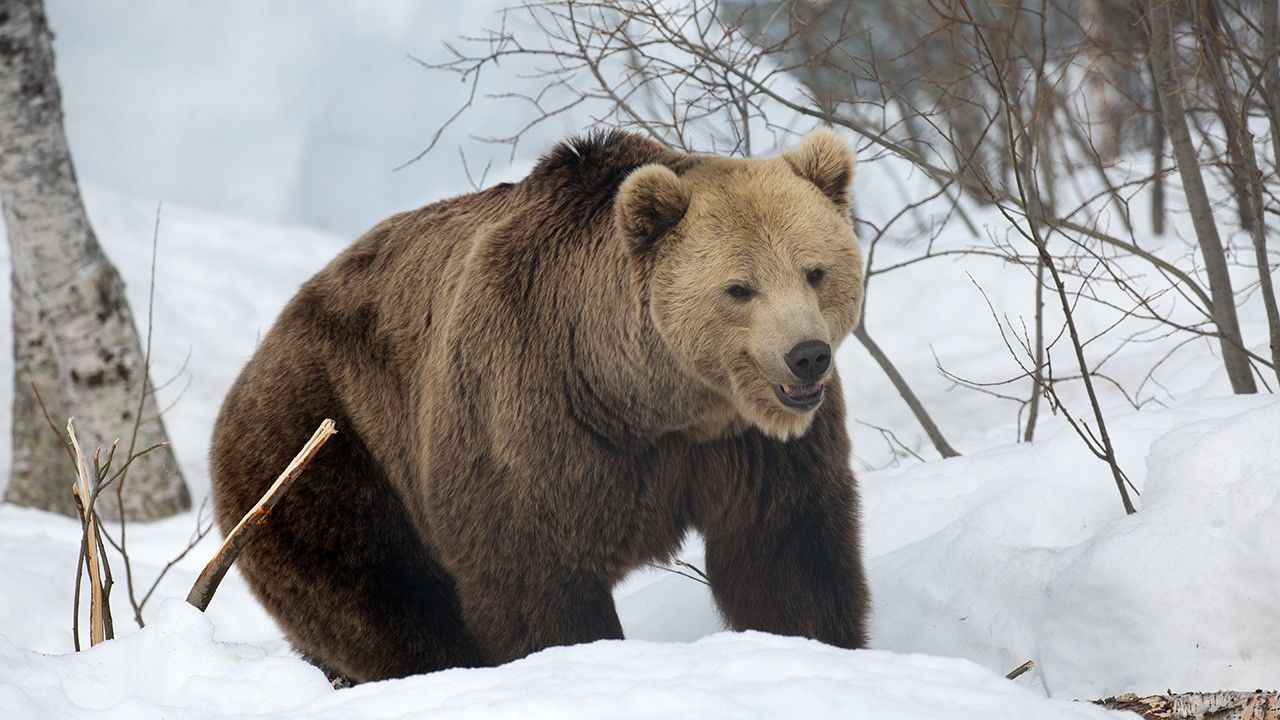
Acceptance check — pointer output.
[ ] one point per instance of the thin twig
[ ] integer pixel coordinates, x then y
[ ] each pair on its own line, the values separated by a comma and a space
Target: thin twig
137, 424
695, 573
1018, 671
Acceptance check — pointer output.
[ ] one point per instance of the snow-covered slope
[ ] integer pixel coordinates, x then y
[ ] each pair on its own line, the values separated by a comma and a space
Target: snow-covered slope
1024, 552
289, 111
175, 668
220, 283
1010, 553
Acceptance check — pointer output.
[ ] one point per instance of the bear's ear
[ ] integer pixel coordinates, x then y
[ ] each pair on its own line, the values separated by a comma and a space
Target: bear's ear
650, 202
826, 161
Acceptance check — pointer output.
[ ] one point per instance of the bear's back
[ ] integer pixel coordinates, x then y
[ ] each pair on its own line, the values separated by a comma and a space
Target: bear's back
368, 327
415, 259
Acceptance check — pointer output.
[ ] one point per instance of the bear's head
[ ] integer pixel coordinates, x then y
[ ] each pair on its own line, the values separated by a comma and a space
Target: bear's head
752, 273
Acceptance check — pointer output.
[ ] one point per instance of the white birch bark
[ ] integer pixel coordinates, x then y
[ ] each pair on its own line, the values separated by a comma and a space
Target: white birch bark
73, 332
1258, 705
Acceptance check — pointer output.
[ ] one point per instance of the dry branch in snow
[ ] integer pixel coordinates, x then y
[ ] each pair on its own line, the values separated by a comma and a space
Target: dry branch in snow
85, 494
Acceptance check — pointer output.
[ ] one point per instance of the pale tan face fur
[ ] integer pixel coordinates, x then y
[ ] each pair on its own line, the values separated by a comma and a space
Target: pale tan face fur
762, 259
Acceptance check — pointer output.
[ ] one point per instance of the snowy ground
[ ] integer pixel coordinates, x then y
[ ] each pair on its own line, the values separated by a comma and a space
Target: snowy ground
175, 668
1010, 553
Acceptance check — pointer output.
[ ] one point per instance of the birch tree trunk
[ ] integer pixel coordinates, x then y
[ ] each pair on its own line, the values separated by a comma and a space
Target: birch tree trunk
73, 333
1168, 85
1258, 705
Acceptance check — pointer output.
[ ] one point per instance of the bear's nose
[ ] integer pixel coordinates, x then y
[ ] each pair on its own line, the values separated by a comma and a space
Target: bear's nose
809, 360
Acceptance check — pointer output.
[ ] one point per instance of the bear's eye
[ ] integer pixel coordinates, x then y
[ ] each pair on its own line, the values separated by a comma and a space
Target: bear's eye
740, 292
815, 276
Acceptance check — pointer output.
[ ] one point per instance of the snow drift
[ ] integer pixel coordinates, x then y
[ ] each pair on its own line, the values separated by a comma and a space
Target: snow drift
1010, 553
175, 668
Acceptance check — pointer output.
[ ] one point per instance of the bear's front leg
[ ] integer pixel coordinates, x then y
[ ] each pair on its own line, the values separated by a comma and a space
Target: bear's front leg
783, 551
520, 611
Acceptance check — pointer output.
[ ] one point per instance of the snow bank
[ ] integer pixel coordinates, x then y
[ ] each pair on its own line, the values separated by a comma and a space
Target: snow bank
727, 675
1010, 553
292, 111
175, 668
38, 553
1024, 552
1195, 578
172, 668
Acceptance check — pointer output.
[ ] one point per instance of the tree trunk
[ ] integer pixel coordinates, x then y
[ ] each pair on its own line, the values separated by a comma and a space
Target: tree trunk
1035, 154
1271, 92
1271, 72
1233, 126
1099, 78
1157, 163
1168, 85
1200, 706
73, 333
1037, 372
1258, 232
1244, 171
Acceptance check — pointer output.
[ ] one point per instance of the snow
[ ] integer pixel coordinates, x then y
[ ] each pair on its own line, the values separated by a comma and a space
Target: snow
292, 111
175, 668
1012, 552
1024, 552
174, 664
220, 283
271, 148
1007, 554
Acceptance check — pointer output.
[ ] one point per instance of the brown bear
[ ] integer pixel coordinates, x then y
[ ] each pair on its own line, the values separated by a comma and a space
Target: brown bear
542, 386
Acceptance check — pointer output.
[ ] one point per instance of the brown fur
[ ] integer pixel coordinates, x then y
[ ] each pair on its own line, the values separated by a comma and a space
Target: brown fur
542, 386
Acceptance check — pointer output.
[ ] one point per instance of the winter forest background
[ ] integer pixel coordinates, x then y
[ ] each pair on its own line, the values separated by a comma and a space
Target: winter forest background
1014, 158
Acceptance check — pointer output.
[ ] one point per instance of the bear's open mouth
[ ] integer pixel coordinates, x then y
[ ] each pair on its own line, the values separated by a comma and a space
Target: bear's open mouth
800, 397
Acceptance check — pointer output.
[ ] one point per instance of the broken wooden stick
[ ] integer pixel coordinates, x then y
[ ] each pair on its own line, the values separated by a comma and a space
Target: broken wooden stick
244, 531
1020, 670
83, 494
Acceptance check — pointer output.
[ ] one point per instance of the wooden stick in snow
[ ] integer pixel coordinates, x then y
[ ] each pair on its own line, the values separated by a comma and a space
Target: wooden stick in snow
1020, 670
244, 531
83, 494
